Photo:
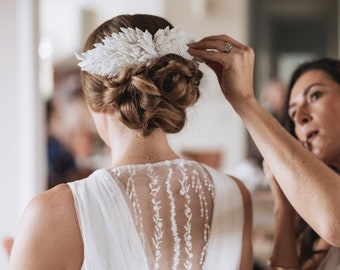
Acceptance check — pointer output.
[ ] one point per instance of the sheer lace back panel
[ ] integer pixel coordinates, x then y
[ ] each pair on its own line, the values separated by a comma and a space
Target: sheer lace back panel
159, 216
172, 209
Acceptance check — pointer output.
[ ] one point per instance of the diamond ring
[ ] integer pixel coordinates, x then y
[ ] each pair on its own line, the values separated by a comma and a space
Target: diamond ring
228, 47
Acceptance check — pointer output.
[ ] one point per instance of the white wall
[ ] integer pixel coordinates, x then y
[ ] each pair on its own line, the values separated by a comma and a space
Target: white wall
9, 118
22, 164
212, 122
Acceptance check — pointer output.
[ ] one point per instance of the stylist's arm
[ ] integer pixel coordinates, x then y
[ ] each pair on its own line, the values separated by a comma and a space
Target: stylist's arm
309, 184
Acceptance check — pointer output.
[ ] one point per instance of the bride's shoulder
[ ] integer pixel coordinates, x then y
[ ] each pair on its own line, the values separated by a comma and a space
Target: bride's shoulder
49, 226
52, 204
52, 211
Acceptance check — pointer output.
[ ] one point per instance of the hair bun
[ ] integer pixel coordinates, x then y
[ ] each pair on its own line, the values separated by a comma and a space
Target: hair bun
150, 97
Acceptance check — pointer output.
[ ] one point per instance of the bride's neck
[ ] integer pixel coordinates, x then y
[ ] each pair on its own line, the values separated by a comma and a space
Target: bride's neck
133, 149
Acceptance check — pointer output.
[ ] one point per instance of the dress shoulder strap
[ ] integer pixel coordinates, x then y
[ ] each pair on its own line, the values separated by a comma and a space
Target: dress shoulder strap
108, 231
225, 244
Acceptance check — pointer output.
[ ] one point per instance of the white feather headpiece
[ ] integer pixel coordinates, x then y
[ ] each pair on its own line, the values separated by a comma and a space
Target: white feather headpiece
132, 47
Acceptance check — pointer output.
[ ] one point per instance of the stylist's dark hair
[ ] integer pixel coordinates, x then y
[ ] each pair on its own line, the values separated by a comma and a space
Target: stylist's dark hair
305, 234
328, 65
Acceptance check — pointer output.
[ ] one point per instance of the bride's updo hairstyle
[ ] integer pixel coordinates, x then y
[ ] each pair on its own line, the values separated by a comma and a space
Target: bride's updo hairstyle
144, 97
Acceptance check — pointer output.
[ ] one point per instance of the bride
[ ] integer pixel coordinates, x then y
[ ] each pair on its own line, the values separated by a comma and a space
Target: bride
151, 209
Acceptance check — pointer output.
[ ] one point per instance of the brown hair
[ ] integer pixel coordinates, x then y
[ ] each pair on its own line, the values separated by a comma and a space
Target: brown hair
144, 97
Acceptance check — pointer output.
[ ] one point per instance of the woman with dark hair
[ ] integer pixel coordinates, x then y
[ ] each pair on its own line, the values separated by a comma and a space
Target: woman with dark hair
150, 209
301, 167
320, 80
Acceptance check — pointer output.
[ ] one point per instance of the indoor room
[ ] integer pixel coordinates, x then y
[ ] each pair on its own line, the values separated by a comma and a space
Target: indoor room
48, 136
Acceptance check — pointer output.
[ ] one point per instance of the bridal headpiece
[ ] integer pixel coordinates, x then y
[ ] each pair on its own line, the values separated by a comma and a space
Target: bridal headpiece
132, 47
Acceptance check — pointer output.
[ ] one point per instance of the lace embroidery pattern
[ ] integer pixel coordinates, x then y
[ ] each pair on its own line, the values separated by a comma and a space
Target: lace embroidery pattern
177, 239
158, 234
137, 212
198, 187
185, 188
189, 184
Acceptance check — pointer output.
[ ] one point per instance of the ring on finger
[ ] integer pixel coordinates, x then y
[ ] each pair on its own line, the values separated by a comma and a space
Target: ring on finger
228, 47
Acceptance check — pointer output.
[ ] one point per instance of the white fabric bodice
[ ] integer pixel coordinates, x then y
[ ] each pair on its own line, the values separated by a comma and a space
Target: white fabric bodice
332, 260
125, 227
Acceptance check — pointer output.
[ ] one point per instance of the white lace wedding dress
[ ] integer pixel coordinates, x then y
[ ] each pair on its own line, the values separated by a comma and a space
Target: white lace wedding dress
174, 214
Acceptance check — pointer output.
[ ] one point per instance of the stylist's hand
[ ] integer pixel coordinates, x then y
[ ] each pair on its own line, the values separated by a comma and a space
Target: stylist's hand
234, 69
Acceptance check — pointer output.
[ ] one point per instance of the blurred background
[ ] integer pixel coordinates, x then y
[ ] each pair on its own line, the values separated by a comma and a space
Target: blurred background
47, 136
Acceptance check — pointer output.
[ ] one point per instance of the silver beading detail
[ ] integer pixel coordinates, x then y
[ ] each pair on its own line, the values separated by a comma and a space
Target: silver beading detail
174, 230
158, 235
132, 194
185, 191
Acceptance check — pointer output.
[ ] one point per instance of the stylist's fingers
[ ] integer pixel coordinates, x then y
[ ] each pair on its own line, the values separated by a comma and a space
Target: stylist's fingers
217, 40
221, 49
215, 49
231, 61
